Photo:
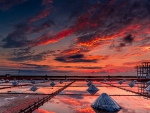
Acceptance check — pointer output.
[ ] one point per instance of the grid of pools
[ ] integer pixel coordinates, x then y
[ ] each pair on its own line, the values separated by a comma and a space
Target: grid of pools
75, 98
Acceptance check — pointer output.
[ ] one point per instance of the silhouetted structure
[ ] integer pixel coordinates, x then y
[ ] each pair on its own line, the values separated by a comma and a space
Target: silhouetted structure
7, 75
143, 70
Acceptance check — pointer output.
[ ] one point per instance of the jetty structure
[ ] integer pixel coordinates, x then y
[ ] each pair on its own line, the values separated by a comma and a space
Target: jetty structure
148, 88
148, 82
143, 70
106, 103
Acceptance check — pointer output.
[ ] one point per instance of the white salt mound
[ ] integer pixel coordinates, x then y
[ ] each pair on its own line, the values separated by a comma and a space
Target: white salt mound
52, 84
92, 89
33, 88
120, 82
15, 83
106, 103
131, 84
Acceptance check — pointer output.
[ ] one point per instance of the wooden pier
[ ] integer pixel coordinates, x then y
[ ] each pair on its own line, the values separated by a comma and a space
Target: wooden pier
36, 105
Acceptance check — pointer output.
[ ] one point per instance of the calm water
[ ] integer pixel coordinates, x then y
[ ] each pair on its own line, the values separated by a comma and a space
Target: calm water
82, 103
76, 99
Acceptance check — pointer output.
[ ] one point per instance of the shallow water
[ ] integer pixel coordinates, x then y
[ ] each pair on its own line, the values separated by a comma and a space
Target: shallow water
76, 98
82, 103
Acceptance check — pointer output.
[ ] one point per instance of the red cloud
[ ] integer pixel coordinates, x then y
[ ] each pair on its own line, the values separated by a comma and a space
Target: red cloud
40, 16
46, 39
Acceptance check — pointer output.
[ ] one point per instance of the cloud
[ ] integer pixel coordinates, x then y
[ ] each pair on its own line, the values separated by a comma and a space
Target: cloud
41, 15
62, 59
47, 38
128, 39
88, 40
88, 67
44, 13
136, 50
15, 39
75, 58
135, 63
99, 25
81, 67
113, 69
46, 2
33, 71
18, 38
27, 54
6, 4
35, 66
74, 50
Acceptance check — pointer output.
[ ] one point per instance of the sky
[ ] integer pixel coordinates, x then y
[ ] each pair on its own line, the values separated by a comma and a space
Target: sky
74, 37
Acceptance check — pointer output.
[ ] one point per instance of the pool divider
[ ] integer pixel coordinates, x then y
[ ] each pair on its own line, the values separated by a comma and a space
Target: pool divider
40, 102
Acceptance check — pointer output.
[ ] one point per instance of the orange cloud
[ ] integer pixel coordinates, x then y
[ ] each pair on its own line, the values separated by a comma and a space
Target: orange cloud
100, 57
136, 51
71, 102
135, 63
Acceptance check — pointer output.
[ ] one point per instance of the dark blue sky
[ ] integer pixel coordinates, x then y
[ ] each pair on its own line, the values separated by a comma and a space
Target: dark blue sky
93, 37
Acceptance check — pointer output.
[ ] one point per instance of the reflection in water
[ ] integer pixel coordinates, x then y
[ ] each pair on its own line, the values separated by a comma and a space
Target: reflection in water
100, 111
82, 103
76, 98
141, 89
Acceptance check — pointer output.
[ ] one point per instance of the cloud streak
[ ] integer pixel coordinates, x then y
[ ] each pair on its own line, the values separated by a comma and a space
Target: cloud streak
27, 54
6, 4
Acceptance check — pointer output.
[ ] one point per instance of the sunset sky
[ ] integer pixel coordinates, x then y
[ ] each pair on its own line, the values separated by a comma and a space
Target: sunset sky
74, 37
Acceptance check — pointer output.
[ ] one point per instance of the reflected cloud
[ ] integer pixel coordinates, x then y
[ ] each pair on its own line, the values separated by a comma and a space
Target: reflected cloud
43, 111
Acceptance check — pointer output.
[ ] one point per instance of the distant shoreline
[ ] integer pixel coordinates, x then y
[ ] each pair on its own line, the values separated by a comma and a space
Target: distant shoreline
78, 78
